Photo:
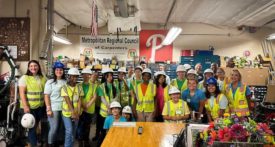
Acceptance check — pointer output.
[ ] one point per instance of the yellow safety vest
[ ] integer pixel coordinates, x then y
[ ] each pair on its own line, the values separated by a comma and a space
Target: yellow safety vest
123, 95
146, 102
103, 107
225, 83
90, 94
214, 111
134, 83
178, 109
34, 91
74, 95
201, 86
166, 93
182, 88
238, 104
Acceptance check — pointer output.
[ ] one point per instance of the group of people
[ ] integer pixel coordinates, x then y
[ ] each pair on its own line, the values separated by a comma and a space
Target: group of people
136, 95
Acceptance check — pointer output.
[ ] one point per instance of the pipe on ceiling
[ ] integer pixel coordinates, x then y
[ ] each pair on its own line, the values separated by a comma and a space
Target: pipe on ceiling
170, 12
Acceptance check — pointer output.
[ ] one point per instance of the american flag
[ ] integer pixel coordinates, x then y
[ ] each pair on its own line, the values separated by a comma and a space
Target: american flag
94, 19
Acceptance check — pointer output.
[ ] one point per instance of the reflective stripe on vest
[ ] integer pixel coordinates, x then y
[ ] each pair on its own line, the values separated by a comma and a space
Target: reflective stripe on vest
214, 110
34, 91
90, 94
103, 107
65, 107
169, 109
145, 101
238, 102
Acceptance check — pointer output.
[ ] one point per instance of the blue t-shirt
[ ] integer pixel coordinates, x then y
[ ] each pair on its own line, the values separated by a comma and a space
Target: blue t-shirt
247, 90
109, 121
193, 101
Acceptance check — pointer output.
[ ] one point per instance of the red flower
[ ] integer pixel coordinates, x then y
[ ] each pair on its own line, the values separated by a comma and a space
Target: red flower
265, 128
224, 135
211, 125
238, 133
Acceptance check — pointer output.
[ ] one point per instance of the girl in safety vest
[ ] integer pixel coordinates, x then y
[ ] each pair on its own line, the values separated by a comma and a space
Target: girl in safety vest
216, 102
122, 88
175, 110
88, 105
162, 95
72, 94
181, 81
31, 89
208, 73
115, 117
145, 102
127, 113
238, 95
222, 79
195, 98
108, 93
53, 102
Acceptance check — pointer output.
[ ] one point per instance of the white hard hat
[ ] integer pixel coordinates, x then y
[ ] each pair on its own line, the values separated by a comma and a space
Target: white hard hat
208, 71
173, 90
192, 71
122, 69
127, 109
180, 68
73, 71
160, 73
86, 71
187, 66
147, 70
28, 121
115, 104
139, 67
107, 70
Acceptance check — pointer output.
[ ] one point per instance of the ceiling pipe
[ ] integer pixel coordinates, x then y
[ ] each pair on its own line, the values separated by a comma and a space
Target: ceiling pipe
170, 12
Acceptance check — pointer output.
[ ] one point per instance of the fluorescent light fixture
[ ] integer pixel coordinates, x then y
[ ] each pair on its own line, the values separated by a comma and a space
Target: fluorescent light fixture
61, 39
171, 35
271, 37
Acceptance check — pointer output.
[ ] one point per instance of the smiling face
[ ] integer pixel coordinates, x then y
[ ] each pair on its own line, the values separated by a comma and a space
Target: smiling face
161, 79
211, 88
86, 77
33, 68
220, 73
138, 73
115, 111
235, 76
121, 75
126, 115
146, 77
181, 74
58, 72
208, 75
73, 79
192, 84
175, 97
109, 77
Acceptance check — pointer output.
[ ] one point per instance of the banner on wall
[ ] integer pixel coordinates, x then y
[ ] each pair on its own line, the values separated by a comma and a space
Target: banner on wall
105, 46
150, 46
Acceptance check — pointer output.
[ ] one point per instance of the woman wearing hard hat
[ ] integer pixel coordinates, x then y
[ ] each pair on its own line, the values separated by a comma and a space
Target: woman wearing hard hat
162, 95
108, 93
175, 110
88, 105
72, 94
127, 113
208, 73
198, 68
216, 102
122, 88
195, 98
53, 102
145, 102
31, 88
222, 79
180, 82
192, 74
238, 95
115, 117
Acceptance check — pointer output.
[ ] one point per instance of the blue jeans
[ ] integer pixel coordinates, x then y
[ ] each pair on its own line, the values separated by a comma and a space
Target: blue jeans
70, 129
55, 126
32, 136
84, 125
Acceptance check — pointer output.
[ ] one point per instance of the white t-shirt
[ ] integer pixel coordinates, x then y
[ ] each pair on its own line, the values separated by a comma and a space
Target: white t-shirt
223, 102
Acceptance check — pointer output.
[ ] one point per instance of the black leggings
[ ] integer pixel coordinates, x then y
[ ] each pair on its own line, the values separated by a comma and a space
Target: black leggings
102, 135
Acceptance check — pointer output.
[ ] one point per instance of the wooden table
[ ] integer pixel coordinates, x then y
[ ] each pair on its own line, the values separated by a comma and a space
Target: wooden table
154, 135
